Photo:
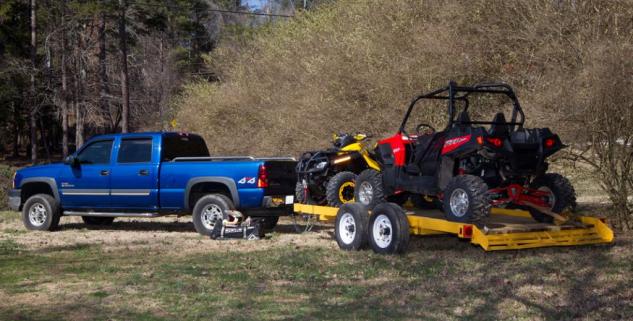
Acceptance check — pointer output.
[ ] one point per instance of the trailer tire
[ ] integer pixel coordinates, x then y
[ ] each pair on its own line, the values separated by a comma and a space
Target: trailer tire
388, 229
466, 199
340, 189
563, 192
208, 210
369, 190
41, 212
350, 229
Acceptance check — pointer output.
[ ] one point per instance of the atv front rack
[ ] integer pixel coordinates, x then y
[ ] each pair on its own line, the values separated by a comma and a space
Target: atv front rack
504, 230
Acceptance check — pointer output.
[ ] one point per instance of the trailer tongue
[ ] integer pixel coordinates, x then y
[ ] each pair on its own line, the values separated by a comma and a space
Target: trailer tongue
505, 229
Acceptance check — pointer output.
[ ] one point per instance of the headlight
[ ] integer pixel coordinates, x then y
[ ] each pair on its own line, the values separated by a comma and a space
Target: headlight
321, 165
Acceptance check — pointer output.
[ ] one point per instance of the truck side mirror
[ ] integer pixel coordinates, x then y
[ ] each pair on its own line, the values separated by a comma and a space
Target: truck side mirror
71, 160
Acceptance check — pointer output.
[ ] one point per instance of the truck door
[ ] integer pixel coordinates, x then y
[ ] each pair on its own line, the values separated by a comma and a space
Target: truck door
87, 185
134, 181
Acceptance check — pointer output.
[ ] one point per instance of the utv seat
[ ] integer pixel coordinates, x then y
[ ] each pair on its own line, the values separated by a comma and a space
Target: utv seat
499, 127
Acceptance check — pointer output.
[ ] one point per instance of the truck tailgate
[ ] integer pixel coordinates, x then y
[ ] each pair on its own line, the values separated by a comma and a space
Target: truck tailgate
282, 177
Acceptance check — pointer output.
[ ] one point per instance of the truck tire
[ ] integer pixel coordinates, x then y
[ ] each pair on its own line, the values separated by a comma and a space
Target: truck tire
41, 212
562, 191
97, 221
369, 190
340, 189
270, 222
350, 229
208, 210
388, 229
466, 199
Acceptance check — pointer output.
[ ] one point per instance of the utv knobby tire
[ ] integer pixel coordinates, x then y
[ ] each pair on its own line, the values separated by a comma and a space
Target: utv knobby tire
221, 202
46, 213
375, 195
350, 229
340, 189
564, 195
388, 229
97, 221
476, 192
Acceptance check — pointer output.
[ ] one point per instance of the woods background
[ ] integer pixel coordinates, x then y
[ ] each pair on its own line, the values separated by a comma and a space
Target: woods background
270, 84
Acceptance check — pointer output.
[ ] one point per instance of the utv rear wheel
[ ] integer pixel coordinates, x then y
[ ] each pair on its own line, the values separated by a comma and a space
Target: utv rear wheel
369, 190
350, 229
388, 229
210, 210
340, 189
97, 221
563, 195
466, 199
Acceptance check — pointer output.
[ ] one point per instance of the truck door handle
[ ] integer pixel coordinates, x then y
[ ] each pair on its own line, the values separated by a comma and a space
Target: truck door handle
105, 172
143, 172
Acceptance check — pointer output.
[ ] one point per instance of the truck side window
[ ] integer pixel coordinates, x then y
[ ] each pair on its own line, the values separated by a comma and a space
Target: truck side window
175, 145
137, 150
96, 153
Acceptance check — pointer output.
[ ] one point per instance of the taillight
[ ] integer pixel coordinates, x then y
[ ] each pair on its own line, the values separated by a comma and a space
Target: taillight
262, 177
494, 141
549, 143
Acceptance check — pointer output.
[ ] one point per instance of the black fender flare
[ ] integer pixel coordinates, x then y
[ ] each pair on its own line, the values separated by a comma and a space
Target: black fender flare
47, 180
226, 181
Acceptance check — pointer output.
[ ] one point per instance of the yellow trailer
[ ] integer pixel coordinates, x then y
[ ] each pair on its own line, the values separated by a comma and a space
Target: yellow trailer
505, 229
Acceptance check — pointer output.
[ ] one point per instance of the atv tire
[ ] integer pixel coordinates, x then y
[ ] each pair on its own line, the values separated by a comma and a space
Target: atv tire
350, 229
563, 193
466, 199
369, 190
388, 229
340, 189
300, 196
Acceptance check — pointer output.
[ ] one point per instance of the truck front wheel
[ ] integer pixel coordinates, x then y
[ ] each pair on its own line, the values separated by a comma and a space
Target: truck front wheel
41, 212
209, 210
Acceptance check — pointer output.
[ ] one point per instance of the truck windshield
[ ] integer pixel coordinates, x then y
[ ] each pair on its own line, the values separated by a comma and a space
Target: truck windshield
180, 145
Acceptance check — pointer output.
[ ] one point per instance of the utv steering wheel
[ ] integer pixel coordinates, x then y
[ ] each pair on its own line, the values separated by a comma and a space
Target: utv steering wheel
430, 130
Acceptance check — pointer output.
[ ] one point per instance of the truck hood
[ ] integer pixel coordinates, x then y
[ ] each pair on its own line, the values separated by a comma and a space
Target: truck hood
47, 170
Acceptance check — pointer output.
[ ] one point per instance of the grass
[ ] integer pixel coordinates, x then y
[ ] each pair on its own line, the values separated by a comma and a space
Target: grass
440, 278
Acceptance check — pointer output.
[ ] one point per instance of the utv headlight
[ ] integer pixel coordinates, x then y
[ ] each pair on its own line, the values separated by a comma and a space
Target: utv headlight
321, 165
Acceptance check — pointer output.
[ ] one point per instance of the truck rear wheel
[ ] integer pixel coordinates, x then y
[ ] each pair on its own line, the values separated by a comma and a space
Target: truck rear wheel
388, 229
340, 189
210, 210
369, 190
350, 228
41, 212
466, 199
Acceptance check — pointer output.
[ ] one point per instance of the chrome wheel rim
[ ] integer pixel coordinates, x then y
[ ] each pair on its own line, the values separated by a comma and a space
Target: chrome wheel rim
37, 214
381, 231
347, 228
459, 202
365, 193
210, 215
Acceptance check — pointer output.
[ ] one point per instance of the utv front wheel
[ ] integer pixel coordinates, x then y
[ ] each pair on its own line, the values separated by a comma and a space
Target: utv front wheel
340, 189
466, 199
369, 190
562, 195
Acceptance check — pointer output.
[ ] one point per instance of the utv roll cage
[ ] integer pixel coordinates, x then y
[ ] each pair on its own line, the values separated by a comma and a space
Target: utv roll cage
453, 93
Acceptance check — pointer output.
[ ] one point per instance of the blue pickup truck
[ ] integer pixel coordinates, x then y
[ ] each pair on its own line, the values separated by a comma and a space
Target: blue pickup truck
149, 175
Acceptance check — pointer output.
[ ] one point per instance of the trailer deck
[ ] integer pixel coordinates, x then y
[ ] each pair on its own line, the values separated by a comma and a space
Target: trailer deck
505, 229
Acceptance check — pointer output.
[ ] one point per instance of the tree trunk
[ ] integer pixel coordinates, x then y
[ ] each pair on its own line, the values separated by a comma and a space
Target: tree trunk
65, 95
125, 97
16, 131
104, 91
33, 114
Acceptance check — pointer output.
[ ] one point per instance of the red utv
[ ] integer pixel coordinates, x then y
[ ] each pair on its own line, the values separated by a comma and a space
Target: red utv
472, 164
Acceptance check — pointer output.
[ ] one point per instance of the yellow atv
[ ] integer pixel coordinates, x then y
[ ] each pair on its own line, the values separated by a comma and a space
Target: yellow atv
329, 176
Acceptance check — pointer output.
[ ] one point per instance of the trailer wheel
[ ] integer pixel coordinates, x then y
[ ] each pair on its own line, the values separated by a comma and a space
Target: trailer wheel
340, 189
209, 210
563, 195
369, 190
351, 226
388, 229
466, 199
